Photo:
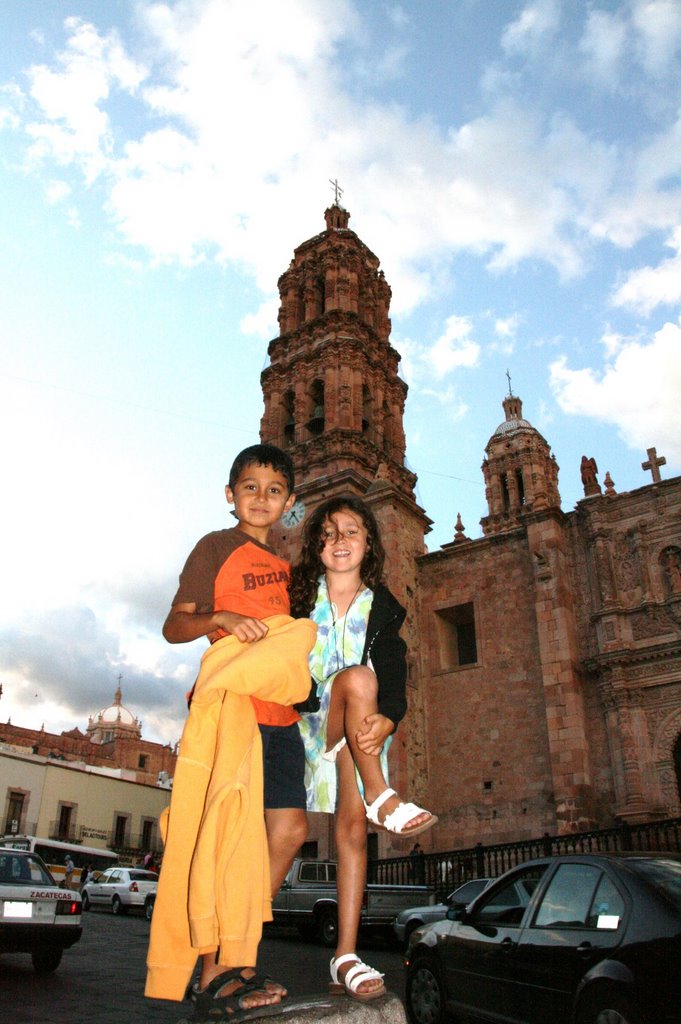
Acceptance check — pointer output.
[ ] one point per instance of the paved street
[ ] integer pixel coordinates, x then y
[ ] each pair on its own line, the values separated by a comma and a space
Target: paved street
101, 979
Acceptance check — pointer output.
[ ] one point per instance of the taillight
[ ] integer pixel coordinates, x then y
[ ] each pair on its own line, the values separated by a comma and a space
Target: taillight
68, 907
134, 887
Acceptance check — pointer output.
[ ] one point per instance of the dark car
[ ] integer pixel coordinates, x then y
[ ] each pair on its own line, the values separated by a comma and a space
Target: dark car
592, 939
409, 920
36, 915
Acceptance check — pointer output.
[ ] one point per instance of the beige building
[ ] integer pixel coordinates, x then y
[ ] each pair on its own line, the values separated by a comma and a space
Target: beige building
103, 807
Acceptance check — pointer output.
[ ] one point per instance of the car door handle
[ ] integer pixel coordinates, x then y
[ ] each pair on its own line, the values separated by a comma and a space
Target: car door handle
507, 945
584, 949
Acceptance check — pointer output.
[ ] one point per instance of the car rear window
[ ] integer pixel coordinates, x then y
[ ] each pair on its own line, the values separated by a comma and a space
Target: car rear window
664, 876
23, 869
143, 876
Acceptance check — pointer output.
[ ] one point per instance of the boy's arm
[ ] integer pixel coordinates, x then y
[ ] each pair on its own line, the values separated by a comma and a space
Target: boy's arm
184, 624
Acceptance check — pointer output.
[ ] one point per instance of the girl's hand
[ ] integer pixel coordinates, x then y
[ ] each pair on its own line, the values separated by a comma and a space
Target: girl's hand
376, 730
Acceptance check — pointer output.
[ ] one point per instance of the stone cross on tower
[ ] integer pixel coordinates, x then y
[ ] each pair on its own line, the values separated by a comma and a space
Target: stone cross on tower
653, 464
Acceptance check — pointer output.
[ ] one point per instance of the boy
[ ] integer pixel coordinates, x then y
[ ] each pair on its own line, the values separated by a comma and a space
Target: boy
230, 583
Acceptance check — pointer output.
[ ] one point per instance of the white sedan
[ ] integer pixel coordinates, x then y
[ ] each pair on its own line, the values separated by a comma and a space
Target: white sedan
36, 915
120, 889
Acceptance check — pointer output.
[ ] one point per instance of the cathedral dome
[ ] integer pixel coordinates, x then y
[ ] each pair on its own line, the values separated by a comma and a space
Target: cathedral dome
510, 426
115, 720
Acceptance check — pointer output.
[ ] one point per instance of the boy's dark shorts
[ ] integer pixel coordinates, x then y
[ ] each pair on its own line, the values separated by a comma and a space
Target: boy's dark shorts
283, 756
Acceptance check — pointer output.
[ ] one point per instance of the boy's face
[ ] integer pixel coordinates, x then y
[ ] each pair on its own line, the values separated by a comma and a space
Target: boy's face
260, 497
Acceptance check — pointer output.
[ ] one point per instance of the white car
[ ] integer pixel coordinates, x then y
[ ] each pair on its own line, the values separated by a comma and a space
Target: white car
409, 920
36, 915
120, 889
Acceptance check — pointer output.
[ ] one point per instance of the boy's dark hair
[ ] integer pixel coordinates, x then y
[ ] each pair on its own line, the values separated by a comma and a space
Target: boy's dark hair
305, 574
263, 455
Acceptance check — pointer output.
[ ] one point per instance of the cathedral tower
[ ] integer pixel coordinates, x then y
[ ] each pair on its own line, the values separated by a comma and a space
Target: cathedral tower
521, 474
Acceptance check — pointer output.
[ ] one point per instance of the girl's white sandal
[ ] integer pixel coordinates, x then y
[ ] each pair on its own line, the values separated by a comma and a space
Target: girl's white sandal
397, 819
354, 977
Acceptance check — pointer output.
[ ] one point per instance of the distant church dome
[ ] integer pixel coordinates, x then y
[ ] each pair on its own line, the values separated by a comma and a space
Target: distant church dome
113, 722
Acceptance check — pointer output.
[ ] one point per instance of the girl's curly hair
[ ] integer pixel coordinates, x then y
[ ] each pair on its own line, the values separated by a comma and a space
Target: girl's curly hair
306, 572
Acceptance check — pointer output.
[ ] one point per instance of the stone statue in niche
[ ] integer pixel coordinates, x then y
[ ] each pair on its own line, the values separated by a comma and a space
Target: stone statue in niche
588, 470
670, 560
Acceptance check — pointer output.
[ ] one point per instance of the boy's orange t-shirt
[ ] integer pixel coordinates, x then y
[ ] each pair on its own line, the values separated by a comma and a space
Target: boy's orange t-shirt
230, 571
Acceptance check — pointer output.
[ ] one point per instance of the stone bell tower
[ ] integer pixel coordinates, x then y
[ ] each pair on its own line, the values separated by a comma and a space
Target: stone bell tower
335, 402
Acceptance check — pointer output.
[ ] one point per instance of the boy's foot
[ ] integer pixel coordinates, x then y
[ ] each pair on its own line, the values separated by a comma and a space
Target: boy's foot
404, 819
246, 974
235, 990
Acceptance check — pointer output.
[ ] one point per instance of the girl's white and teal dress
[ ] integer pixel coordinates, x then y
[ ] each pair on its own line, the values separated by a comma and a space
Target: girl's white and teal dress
340, 644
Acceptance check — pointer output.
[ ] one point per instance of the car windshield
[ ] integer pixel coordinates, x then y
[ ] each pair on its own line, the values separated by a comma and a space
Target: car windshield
23, 869
664, 875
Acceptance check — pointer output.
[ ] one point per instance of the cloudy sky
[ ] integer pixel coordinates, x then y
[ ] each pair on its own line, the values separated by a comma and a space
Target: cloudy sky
515, 166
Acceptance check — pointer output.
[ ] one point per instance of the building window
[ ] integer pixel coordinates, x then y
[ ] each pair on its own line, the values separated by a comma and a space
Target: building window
64, 822
457, 641
120, 830
147, 836
142, 761
15, 810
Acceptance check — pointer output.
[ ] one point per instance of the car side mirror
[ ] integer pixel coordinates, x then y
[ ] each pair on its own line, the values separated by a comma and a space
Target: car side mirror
456, 913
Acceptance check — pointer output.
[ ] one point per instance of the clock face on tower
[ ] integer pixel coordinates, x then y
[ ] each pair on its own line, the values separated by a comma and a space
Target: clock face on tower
294, 516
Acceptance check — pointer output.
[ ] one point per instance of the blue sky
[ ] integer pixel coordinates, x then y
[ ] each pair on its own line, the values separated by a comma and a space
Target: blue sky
515, 166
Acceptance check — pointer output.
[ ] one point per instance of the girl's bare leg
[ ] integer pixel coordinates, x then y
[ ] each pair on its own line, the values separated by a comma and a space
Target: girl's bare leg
351, 844
353, 697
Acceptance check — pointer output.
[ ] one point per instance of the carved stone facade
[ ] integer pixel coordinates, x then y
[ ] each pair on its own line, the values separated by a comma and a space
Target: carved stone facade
545, 657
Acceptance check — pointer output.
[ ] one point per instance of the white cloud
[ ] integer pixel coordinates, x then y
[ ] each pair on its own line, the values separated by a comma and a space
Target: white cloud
454, 348
57, 191
657, 24
220, 171
648, 287
638, 392
536, 25
604, 46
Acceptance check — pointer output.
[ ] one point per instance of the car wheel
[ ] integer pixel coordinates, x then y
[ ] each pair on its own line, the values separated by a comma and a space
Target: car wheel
116, 906
86, 901
425, 997
46, 960
327, 928
609, 1008
149, 909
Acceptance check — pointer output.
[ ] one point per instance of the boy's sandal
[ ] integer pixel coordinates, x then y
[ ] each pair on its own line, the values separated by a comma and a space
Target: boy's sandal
395, 821
257, 981
354, 977
210, 1006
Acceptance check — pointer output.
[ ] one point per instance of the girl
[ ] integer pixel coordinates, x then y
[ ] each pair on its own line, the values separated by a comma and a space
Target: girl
359, 673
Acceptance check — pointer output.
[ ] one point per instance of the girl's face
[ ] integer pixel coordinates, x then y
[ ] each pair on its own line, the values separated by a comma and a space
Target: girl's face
345, 543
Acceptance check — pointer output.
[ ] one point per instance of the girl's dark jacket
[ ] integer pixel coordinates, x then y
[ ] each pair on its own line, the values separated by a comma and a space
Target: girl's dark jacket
388, 653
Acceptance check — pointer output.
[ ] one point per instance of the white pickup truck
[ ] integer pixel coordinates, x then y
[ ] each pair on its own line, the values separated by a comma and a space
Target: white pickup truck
308, 900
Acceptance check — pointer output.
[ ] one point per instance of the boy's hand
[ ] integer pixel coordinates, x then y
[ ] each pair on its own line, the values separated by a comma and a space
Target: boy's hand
244, 627
377, 728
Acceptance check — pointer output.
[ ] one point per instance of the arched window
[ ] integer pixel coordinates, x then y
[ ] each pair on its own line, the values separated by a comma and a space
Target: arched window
367, 417
505, 493
288, 418
316, 422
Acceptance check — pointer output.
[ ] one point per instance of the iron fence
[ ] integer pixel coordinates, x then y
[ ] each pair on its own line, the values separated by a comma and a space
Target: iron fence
448, 869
